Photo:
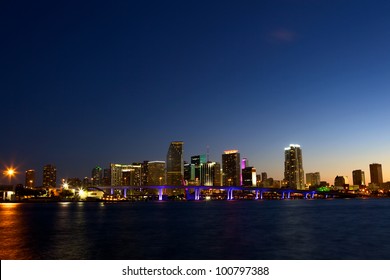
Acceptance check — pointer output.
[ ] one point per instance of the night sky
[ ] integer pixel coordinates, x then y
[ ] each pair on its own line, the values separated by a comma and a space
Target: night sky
86, 83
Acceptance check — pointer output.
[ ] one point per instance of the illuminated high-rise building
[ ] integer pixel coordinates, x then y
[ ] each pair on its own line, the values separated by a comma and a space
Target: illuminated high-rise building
258, 180
231, 168
210, 174
125, 174
340, 181
249, 176
97, 176
217, 175
358, 178
175, 164
376, 174
156, 173
196, 162
313, 179
49, 176
106, 177
264, 176
145, 173
86, 182
189, 172
244, 164
30, 179
293, 167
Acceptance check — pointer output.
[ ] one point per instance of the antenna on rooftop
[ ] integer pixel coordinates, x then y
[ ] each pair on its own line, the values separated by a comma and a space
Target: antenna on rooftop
208, 153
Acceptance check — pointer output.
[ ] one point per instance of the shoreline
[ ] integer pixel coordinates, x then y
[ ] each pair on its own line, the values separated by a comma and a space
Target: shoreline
48, 200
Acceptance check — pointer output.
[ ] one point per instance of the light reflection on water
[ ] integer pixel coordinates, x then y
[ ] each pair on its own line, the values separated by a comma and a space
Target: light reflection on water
289, 229
13, 233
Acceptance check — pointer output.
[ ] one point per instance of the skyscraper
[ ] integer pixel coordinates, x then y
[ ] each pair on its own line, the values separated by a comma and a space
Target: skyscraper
376, 174
313, 179
264, 176
293, 167
258, 180
197, 161
340, 181
125, 174
145, 173
132, 175
49, 176
106, 177
231, 168
156, 173
249, 176
175, 164
244, 164
30, 179
97, 176
210, 174
217, 175
189, 172
358, 177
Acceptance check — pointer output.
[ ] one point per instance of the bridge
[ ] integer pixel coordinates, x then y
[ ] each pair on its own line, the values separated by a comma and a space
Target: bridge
194, 192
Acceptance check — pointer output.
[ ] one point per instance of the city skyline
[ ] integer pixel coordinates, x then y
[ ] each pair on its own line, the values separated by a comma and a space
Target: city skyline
86, 84
292, 156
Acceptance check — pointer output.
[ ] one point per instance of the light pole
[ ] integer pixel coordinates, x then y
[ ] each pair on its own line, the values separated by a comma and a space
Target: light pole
10, 172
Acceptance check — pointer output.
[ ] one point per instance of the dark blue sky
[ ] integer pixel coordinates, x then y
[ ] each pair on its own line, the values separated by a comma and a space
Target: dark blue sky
86, 84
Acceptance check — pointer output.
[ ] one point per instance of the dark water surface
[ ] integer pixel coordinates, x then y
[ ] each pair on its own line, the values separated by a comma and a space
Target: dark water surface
287, 229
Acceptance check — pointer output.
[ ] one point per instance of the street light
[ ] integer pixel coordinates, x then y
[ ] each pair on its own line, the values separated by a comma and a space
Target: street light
83, 193
10, 172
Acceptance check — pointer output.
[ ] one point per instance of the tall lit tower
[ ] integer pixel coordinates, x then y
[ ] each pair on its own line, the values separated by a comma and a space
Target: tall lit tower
175, 164
49, 176
30, 179
125, 174
210, 174
358, 178
293, 167
249, 176
197, 162
376, 173
97, 176
313, 179
156, 173
106, 176
231, 168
